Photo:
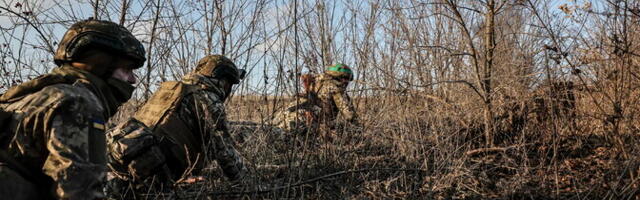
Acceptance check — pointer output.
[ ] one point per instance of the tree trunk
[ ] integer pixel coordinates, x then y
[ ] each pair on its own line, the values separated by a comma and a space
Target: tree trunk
490, 45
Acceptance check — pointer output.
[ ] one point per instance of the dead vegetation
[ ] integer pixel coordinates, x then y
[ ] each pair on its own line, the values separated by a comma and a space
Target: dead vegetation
460, 99
545, 149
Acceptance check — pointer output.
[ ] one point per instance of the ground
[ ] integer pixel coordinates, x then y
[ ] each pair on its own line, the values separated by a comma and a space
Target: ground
410, 152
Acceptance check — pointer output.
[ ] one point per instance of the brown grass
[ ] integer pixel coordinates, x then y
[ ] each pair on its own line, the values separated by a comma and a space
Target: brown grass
412, 148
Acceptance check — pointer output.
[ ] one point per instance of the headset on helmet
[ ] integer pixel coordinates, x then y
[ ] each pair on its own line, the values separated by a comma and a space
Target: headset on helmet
101, 34
340, 71
218, 66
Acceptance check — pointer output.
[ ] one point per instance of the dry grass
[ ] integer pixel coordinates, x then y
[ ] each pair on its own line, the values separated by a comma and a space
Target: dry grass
436, 82
412, 148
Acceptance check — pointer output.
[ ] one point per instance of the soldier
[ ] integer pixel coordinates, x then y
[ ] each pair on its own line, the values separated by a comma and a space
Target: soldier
186, 120
324, 98
52, 141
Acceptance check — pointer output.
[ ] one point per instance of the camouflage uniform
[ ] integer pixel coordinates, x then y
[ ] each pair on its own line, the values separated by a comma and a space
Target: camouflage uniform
299, 116
318, 108
189, 121
333, 99
52, 143
51, 130
203, 114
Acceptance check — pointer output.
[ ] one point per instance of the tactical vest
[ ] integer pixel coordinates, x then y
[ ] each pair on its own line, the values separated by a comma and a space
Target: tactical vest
160, 114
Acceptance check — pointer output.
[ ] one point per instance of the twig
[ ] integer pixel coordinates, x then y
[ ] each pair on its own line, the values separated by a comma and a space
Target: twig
492, 149
123, 13
96, 7
42, 35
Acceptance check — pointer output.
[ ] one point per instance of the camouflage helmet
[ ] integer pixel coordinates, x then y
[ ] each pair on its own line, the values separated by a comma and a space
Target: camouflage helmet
219, 66
339, 71
106, 35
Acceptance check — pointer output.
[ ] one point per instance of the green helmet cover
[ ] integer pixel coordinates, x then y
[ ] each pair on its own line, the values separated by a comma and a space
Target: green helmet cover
340, 71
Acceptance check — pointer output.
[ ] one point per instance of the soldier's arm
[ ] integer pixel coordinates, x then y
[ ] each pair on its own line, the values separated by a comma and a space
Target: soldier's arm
76, 145
343, 102
213, 115
134, 151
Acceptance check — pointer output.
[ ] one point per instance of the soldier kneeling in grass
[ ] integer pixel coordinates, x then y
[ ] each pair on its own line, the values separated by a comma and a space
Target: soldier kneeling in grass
181, 126
318, 107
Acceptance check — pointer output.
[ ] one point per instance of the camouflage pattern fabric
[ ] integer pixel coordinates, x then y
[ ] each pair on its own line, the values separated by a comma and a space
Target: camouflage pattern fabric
98, 34
201, 111
333, 99
56, 133
134, 151
137, 165
326, 99
299, 116
204, 111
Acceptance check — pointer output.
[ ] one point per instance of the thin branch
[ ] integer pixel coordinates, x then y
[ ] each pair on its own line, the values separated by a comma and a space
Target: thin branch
123, 11
96, 6
40, 33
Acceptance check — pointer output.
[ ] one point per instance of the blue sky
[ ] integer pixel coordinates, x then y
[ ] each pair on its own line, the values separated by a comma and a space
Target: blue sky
31, 51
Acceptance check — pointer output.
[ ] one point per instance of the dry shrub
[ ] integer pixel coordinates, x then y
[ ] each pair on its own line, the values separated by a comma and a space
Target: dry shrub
433, 149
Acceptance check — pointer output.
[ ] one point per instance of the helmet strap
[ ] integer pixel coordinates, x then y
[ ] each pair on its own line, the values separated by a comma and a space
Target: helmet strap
227, 86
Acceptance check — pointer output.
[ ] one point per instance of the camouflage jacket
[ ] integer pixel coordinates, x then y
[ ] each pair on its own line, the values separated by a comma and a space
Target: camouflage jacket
57, 134
333, 99
299, 116
322, 104
205, 135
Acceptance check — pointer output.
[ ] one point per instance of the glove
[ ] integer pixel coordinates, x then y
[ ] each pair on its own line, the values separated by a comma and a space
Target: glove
134, 150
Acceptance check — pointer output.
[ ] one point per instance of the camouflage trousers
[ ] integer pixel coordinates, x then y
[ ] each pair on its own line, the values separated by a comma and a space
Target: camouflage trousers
14, 186
299, 121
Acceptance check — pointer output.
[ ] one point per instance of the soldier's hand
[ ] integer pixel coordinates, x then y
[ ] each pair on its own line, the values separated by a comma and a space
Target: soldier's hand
134, 150
149, 163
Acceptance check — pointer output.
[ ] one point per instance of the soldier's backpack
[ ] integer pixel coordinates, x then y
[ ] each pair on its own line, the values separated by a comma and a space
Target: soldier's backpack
159, 114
